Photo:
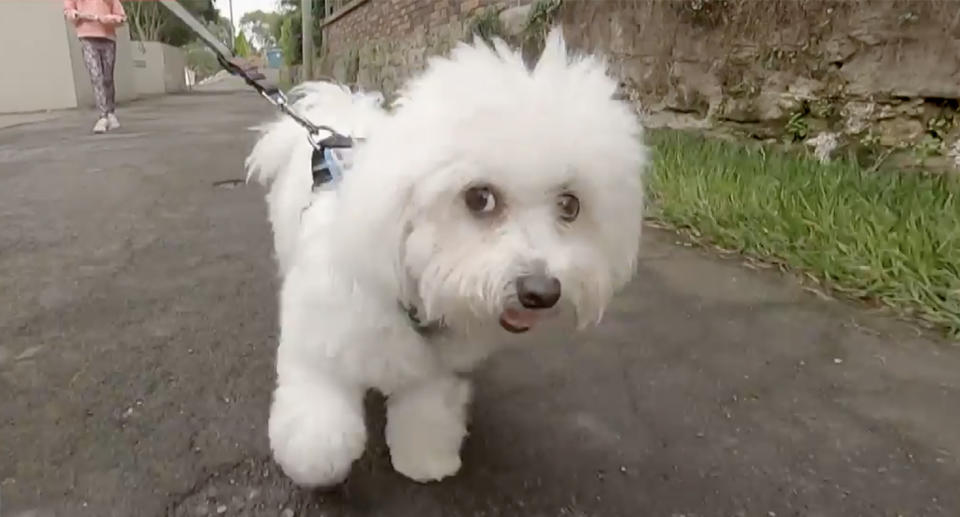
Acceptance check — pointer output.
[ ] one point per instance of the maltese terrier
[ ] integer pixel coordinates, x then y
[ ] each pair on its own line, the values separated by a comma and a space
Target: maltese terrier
491, 197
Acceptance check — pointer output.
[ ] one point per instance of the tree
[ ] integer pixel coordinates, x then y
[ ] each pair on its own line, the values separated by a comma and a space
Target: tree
290, 40
222, 30
241, 47
149, 21
201, 59
288, 29
260, 26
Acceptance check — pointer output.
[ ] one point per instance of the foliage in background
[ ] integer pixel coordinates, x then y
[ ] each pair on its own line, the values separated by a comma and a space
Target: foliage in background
287, 29
796, 128
221, 29
290, 39
891, 238
241, 47
486, 24
261, 27
150, 21
201, 60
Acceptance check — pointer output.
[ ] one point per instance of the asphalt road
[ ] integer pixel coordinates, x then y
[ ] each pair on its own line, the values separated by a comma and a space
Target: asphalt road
137, 330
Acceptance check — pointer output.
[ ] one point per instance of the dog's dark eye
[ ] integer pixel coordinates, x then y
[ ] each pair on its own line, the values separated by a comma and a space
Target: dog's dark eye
480, 200
569, 207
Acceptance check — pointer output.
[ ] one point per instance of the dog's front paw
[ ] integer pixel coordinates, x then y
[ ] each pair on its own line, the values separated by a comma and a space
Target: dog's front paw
426, 466
315, 435
426, 425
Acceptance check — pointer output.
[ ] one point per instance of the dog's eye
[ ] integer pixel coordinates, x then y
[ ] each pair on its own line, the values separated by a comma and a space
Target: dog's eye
480, 200
569, 207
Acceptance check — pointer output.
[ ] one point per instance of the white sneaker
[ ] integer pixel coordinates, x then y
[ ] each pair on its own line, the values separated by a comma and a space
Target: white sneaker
112, 122
101, 125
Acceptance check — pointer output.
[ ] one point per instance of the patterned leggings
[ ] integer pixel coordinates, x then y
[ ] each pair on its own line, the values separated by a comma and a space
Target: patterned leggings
99, 54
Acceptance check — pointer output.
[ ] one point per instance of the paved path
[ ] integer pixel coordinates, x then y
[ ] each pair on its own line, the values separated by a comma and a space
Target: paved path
137, 316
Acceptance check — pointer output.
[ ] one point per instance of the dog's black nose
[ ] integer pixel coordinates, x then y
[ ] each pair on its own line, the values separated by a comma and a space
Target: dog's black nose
538, 291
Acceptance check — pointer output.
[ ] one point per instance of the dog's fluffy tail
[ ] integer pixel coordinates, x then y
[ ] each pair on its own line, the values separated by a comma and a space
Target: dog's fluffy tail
281, 157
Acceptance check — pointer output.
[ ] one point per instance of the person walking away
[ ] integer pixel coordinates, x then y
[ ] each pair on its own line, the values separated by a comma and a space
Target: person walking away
96, 22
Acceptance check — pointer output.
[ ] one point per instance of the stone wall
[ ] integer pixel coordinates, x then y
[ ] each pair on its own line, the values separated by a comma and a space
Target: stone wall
880, 74
379, 43
864, 74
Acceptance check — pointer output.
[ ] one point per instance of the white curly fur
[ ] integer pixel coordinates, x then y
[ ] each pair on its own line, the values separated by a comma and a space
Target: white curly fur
397, 230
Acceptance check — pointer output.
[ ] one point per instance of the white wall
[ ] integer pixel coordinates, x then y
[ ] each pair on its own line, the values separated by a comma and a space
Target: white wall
174, 63
147, 67
158, 68
42, 64
34, 57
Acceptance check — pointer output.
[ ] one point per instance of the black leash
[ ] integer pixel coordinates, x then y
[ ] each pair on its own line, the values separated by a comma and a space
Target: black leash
324, 165
320, 168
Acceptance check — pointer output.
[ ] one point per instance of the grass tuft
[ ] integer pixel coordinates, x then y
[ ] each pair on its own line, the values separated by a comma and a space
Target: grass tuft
486, 25
543, 14
892, 238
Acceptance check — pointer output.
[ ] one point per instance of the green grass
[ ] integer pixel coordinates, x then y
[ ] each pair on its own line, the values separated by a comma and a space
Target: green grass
886, 237
486, 24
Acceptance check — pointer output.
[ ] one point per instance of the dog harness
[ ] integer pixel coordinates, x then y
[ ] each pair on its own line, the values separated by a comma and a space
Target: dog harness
331, 157
327, 166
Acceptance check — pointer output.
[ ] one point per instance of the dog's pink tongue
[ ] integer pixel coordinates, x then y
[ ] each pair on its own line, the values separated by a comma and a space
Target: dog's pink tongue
520, 318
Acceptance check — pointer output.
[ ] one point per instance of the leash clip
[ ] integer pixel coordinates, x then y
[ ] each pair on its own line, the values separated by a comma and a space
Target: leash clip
327, 161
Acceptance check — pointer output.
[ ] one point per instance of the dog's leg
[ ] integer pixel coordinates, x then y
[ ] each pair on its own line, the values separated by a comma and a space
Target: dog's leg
317, 430
426, 424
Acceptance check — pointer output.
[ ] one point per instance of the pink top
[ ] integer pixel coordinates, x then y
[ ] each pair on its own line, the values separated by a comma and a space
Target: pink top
95, 18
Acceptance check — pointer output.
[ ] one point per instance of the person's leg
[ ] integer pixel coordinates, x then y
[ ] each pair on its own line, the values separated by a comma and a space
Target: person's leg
108, 57
91, 58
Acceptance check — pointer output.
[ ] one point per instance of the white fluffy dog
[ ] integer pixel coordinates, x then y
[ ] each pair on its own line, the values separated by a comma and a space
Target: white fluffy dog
492, 196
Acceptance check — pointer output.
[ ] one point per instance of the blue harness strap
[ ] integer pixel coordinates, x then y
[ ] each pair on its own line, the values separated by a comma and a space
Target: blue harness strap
328, 165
